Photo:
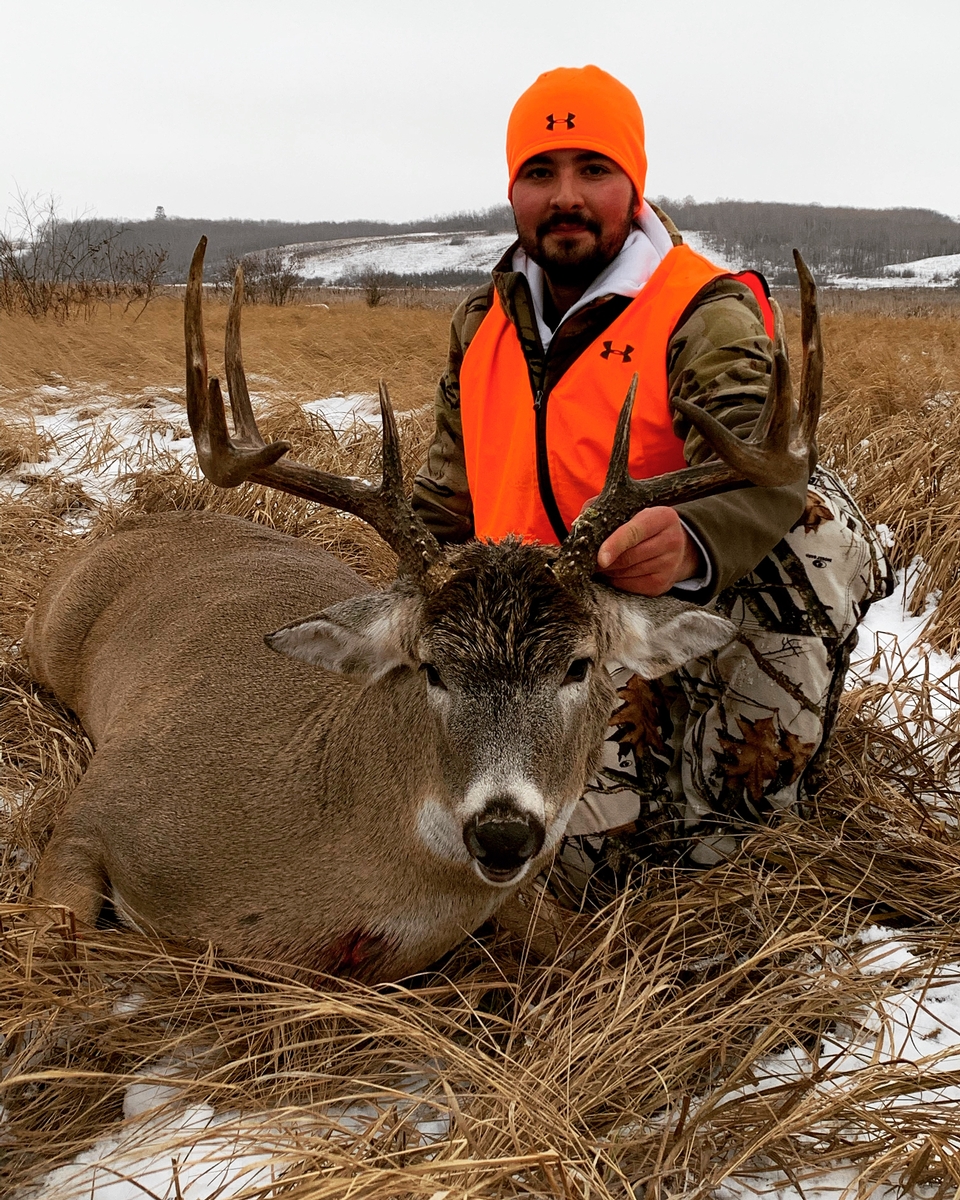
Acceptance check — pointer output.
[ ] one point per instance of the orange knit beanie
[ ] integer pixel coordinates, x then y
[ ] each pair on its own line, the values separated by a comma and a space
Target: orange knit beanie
578, 108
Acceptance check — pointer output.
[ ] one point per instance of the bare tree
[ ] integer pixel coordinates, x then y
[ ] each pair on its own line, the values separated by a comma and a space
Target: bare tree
268, 277
53, 265
372, 282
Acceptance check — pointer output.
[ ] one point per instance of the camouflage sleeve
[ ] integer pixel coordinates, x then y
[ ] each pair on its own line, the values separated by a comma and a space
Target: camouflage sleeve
441, 494
721, 358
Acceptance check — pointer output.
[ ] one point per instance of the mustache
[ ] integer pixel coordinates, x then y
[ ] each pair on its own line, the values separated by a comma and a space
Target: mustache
569, 219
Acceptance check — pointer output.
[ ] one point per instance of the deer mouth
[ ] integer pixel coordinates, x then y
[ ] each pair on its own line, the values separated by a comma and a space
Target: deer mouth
492, 875
502, 841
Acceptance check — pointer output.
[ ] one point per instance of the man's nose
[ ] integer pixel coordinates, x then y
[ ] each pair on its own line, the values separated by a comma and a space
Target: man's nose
567, 194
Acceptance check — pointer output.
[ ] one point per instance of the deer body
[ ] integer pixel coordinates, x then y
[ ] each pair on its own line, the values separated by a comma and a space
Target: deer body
222, 801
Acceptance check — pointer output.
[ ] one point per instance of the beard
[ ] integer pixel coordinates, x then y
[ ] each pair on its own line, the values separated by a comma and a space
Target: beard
575, 261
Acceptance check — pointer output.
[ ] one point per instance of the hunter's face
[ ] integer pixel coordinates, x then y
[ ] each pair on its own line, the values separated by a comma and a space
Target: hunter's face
574, 210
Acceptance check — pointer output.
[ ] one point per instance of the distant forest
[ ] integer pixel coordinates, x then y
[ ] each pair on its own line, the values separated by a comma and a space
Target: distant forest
834, 241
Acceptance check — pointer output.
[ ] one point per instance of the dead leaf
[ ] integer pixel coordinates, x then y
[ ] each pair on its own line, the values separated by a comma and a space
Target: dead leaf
638, 718
815, 514
753, 762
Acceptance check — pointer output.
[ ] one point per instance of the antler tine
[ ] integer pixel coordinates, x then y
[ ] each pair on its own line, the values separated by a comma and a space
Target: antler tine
224, 462
244, 422
773, 455
811, 371
247, 457
622, 497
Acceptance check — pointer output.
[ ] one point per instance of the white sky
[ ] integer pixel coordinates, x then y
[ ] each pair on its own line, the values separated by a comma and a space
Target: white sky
315, 109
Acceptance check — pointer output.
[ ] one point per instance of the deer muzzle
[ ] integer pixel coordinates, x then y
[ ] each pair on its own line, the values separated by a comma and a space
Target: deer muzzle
502, 839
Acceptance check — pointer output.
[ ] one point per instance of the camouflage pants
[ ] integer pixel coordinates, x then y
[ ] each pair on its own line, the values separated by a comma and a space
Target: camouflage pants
697, 757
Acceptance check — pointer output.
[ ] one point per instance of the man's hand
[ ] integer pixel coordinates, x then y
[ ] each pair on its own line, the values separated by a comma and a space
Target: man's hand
650, 553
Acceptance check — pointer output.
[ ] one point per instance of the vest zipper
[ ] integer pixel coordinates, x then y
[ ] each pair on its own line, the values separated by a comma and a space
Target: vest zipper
547, 498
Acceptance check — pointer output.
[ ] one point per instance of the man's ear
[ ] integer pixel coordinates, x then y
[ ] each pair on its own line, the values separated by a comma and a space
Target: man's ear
365, 636
651, 636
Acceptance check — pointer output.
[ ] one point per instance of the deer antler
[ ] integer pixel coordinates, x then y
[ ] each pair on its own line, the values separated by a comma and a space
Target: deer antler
778, 451
246, 457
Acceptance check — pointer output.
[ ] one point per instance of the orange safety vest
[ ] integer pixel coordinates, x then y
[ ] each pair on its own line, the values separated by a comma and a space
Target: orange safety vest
533, 461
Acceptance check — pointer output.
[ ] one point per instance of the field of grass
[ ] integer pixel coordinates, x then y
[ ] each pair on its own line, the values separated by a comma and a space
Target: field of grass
626, 1067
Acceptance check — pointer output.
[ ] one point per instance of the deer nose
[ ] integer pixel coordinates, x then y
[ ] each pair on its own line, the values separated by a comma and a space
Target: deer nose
501, 839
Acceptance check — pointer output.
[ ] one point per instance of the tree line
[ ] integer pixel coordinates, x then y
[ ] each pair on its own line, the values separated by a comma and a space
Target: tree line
834, 241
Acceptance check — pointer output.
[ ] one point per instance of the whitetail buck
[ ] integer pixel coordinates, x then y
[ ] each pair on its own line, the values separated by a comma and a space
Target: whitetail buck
356, 791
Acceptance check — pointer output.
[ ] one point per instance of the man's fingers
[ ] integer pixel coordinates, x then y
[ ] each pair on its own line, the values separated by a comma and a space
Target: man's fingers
644, 525
650, 548
663, 564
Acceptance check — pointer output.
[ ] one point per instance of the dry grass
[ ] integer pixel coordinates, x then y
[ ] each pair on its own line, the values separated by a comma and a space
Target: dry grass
606, 1074
300, 351
892, 394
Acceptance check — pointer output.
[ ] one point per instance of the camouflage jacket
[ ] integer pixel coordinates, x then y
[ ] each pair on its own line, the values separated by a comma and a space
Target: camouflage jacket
719, 357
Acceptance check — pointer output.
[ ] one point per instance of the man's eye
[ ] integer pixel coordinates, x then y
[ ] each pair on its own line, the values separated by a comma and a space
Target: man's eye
433, 676
577, 671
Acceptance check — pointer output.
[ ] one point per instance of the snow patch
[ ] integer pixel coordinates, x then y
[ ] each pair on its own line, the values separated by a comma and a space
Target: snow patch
343, 413
334, 262
916, 1023
891, 650
96, 444
169, 1150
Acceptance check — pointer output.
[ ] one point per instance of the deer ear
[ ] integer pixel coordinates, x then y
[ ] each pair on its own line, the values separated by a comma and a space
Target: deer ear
365, 636
653, 636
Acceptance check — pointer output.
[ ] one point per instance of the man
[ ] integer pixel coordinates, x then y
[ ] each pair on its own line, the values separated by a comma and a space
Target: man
599, 285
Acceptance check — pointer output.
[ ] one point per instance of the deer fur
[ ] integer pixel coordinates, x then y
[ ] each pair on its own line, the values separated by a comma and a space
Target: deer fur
312, 806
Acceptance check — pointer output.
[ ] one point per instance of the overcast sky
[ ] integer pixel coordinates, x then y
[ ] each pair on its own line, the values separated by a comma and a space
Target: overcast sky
314, 109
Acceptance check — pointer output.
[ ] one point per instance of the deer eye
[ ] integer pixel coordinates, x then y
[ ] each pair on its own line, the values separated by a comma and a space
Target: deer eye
433, 676
577, 671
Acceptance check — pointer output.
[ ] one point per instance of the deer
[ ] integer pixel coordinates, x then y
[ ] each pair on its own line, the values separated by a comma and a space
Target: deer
303, 769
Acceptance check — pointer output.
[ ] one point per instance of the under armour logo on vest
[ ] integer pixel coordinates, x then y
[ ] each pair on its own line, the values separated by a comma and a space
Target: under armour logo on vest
624, 353
567, 121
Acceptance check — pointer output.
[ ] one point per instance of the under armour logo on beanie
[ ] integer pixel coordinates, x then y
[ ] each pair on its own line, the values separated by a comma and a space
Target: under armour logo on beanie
567, 120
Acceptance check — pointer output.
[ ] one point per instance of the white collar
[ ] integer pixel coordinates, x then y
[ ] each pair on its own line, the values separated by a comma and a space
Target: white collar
641, 254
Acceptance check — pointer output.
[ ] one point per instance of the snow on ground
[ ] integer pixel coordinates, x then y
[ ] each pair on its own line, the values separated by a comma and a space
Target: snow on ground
891, 637
342, 412
168, 1150
96, 447
891, 649
707, 245
405, 254
470, 252
916, 1027
942, 268
98, 444
940, 271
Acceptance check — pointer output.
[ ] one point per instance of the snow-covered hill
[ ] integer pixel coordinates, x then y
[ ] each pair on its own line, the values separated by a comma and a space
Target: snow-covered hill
468, 253
943, 268
405, 254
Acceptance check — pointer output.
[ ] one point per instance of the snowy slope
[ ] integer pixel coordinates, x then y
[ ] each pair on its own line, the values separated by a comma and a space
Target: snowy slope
470, 253
939, 269
427, 254
406, 254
